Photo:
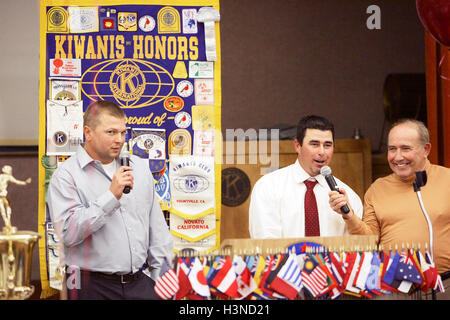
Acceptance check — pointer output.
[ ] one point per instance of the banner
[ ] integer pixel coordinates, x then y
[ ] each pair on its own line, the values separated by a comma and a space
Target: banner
156, 60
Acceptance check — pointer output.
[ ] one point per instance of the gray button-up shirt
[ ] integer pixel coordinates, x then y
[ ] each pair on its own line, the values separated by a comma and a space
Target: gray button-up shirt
101, 233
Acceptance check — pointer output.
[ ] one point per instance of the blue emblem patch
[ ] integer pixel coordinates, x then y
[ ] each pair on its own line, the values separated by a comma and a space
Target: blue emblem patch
191, 183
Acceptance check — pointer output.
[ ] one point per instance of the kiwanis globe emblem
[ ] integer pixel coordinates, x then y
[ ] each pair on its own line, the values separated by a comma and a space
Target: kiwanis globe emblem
132, 83
127, 83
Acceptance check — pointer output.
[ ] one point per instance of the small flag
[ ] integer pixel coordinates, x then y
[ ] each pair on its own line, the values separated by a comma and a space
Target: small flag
351, 264
428, 273
407, 271
269, 274
391, 269
313, 277
258, 275
183, 280
198, 280
364, 269
244, 278
353, 271
373, 279
332, 288
288, 280
252, 262
167, 283
225, 279
437, 281
336, 267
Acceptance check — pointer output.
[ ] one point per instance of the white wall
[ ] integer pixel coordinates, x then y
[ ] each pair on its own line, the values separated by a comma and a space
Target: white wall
19, 69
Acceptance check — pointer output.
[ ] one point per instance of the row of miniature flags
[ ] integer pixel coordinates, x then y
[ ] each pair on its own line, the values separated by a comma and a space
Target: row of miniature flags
299, 276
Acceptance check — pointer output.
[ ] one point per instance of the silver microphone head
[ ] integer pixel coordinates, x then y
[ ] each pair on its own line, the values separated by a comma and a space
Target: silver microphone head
124, 154
325, 171
124, 157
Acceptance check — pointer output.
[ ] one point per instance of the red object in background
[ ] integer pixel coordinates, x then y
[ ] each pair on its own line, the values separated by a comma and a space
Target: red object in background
435, 17
108, 24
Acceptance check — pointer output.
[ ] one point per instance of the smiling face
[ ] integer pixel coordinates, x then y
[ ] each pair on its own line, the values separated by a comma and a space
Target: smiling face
316, 150
406, 154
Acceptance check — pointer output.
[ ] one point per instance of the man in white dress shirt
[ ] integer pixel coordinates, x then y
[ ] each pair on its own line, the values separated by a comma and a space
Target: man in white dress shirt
277, 205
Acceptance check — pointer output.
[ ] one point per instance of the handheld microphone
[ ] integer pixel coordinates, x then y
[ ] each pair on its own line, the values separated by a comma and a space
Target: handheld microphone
124, 158
326, 172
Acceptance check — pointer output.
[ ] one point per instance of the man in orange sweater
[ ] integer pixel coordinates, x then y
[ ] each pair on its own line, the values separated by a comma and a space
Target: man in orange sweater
391, 208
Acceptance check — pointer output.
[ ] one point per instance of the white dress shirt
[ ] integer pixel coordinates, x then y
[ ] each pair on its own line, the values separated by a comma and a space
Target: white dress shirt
277, 205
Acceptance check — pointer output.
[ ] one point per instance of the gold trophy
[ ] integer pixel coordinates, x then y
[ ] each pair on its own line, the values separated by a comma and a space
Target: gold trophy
16, 247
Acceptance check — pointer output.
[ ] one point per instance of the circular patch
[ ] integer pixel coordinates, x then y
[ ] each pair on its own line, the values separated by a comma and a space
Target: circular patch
168, 18
56, 17
185, 88
147, 23
65, 95
309, 265
182, 120
60, 138
173, 104
127, 82
235, 187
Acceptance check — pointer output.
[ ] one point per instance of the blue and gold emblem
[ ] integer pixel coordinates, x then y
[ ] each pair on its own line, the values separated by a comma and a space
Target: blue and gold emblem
131, 83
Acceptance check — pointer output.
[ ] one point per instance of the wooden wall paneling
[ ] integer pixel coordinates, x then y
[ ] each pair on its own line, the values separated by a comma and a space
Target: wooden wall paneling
431, 77
438, 99
445, 102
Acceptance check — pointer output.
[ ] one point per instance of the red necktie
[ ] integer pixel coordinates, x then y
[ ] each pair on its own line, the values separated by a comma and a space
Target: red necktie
311, 213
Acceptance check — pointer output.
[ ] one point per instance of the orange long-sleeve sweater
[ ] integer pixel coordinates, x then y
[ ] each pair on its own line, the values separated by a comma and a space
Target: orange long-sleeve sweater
392, 211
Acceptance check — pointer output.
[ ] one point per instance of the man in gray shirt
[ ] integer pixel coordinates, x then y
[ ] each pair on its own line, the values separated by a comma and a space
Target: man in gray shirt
108, 236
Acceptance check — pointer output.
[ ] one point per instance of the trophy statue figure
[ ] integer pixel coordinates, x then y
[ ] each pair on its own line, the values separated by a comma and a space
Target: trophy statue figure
6, 177
16, 247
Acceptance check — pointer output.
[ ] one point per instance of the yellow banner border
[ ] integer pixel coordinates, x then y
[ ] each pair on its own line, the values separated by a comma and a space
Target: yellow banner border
192, 216
46, 290
185, 237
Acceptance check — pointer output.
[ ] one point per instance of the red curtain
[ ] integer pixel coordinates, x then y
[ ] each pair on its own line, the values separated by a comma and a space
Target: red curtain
437, 59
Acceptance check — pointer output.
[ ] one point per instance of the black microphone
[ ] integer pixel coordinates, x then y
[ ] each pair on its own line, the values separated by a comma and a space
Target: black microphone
124, 158
421, 180
326, 172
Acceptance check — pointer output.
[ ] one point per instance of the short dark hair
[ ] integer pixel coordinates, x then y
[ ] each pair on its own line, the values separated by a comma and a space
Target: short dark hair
97, 108
313, 122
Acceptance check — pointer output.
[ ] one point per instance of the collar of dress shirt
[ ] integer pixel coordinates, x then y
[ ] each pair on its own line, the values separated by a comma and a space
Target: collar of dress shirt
84, 158
300, 175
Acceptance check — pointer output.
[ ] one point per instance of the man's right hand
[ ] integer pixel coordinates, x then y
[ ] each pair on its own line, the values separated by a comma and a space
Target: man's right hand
122, 178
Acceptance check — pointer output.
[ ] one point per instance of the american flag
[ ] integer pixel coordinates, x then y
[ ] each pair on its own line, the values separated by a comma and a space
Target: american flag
167, 283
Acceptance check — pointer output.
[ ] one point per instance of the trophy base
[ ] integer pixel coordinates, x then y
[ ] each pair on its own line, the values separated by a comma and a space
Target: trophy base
16, 251
13, 230
18, 293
